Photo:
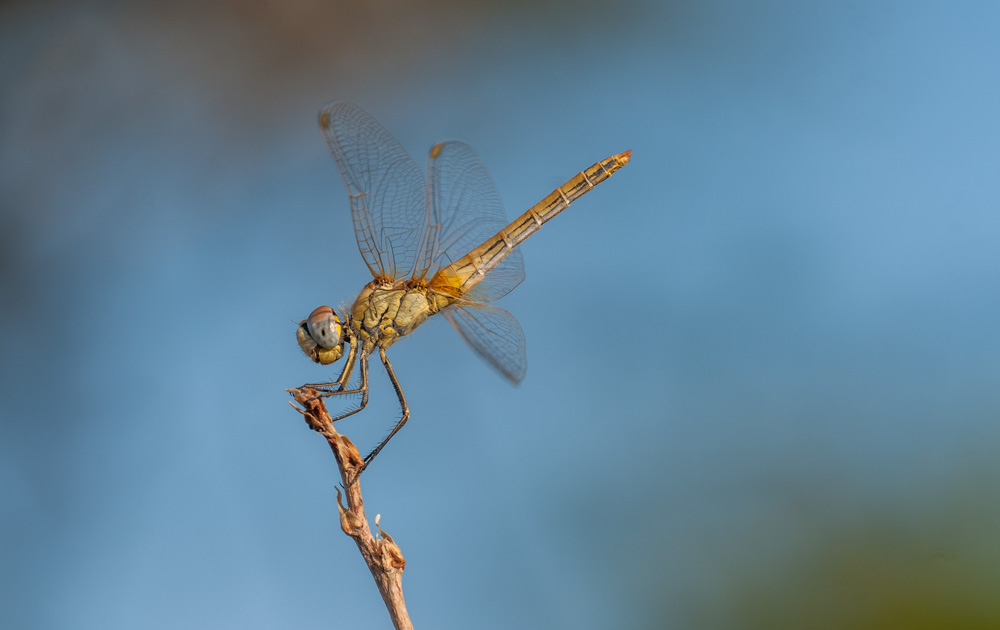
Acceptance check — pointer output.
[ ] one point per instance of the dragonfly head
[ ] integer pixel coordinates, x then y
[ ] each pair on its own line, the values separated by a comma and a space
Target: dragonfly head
321, 336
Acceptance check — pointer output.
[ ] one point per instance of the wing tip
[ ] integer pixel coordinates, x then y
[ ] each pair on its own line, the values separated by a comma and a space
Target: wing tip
326, 114
514, 378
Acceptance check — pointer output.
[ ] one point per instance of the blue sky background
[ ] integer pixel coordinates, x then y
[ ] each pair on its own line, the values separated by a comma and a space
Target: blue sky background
770, 340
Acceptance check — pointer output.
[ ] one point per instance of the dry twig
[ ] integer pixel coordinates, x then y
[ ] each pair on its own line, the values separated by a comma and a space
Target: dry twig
382, 554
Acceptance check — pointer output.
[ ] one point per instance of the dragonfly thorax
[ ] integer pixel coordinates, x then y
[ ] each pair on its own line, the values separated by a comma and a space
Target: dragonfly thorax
384, 312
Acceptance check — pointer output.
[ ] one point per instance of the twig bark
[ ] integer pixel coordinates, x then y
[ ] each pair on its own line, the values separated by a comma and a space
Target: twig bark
382, 554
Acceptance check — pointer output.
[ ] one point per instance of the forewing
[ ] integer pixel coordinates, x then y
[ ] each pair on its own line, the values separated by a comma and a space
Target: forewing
494, 334
386, 189
465, 210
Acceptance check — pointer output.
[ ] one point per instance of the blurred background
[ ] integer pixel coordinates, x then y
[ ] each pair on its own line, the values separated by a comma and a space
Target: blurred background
763, 358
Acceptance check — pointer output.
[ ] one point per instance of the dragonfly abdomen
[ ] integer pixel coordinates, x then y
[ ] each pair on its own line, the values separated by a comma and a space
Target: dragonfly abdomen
466, 272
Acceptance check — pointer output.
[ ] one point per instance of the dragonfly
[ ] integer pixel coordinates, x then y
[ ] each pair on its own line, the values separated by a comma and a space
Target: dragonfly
434, 244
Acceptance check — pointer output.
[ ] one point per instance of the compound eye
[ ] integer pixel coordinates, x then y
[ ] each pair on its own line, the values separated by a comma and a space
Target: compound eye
323, 326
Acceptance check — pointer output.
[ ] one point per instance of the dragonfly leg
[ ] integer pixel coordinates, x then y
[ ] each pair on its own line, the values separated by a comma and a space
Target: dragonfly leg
402, 404
362, 387
337, 386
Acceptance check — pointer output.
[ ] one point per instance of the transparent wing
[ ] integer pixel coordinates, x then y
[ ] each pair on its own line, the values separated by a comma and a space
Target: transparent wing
494, 334
386, 188
464, 211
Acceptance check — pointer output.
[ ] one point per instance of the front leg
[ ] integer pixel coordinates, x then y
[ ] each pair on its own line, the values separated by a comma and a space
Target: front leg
337, 386
362, 387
